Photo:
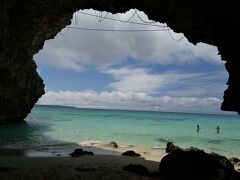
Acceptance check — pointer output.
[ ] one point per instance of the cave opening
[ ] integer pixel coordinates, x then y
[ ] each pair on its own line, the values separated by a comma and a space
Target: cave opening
20, 41
110, 66
103, 55
125, 77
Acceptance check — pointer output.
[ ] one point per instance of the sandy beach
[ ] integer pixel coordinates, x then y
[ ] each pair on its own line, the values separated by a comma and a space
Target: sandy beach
146, 153
154, 155
86, 167
58, 165
14, 165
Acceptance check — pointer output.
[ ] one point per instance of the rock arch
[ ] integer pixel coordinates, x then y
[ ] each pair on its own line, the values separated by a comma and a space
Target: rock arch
25, 25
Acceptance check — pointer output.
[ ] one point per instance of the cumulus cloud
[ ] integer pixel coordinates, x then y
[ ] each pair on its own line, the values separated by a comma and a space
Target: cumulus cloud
77, 48
143, 80
129, 101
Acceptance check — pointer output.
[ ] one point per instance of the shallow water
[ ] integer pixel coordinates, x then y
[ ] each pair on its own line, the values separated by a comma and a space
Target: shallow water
48, 127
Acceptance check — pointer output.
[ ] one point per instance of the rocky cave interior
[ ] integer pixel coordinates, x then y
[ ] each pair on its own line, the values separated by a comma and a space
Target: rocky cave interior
25, 27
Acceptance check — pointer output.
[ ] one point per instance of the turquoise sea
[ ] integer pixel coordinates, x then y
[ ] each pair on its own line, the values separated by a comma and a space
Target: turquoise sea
48, 127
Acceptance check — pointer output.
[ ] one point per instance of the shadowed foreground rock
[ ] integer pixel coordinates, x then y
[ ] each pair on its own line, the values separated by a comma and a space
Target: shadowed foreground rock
80, 152
234, 160
113, 144
195, 164
171, 147
20, 88
136, 168
131, 153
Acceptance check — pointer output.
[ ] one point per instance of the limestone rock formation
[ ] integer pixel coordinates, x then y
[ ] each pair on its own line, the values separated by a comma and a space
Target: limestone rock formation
113, 144
196, 164
25, 25
171, 147
234, 161
80, 152
20, 88
131, 153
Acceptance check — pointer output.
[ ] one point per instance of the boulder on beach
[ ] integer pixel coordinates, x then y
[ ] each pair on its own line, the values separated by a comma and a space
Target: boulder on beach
113, 144
171, 147
131, 153
192, 163
136, 168
234, 160
80, 152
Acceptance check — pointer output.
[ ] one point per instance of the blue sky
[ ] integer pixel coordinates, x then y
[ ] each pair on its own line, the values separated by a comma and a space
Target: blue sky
139, 71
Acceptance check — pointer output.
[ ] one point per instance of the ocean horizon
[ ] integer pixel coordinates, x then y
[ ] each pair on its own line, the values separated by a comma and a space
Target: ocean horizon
49, 128
224, 113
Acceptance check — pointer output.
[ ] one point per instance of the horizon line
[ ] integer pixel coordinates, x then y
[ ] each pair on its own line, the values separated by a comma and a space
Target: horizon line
136, 110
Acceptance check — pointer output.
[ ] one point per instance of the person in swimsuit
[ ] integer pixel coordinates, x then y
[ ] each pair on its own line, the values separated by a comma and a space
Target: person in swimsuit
198, 128
218, 130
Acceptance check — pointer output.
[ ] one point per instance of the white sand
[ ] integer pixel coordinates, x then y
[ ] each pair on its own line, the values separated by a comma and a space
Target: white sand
146, 153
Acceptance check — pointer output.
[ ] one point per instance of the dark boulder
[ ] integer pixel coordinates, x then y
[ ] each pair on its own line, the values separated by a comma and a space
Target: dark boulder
171, 147
131, 153
136, 168
80, 152
222, 162
234, 160
113, 144
195, 164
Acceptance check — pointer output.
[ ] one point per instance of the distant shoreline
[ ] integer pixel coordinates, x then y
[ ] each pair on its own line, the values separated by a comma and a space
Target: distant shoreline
127, 110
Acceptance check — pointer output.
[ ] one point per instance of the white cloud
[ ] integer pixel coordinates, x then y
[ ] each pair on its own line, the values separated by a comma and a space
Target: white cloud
130, 101
79, 48
60, 57
143, 80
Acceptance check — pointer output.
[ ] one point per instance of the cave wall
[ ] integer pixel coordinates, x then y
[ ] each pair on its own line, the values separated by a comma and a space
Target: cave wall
25, 25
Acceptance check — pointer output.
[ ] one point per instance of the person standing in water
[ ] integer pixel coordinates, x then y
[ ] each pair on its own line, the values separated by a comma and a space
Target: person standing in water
198, 128
218, 130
